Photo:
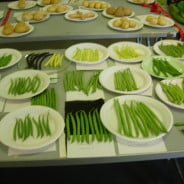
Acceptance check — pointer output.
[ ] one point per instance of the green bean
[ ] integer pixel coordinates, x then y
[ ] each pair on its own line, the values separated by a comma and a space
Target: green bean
97, 132
82, 126
73, 127
101, 128
91, 125
78, 122
68, 126
179, 124
86, 125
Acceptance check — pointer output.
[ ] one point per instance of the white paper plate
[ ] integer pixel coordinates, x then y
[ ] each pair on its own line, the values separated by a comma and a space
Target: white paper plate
148, 2
109, 118
14, 5
69, 8
138, 26
6, 81
103, 53
13, 35
163, 97
142, 78
95, 9
166, 42
169, 21
147, 66
105, 14
80, 20
140, 48
19, 18
16, 56
31, 143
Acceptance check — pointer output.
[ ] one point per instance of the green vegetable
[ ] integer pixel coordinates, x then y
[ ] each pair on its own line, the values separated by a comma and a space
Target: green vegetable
174, 92
126, 52
136, 119
26, 127
124, 80
5, 60
175, 13
173, 50
21, 85
46, 98
162, 66
86, 55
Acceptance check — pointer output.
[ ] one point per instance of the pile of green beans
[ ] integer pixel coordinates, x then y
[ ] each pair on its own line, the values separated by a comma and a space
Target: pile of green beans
46, 98
172, 50
5, 60
86, 54
163, 66
25, 127
22, 85
124, 80
174, 92
136, 119
80, 125
77, 81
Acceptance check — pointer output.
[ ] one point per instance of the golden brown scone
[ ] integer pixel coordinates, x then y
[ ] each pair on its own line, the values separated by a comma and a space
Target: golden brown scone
21, 27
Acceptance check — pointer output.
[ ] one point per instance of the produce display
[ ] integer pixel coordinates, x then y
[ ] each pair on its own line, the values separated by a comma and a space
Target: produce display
5, 60
81, 125
31, 127
136, 119
124, 80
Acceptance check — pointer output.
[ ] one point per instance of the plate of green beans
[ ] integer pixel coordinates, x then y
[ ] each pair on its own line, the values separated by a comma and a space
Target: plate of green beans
173, 48
163, 67
137, 120
23, 84
87, 53
171, 91
31, 128
9, 57
125, 80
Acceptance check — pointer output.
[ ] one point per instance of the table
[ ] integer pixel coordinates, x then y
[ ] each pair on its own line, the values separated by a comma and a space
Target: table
65, 31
